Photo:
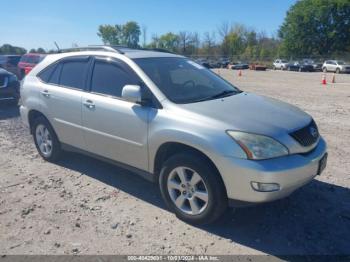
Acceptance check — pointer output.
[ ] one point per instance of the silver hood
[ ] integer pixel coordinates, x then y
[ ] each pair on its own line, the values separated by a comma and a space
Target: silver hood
252, 113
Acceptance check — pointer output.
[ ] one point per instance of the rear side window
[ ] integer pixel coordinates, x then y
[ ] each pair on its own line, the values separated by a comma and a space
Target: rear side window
110, 78
45, 75
73, 74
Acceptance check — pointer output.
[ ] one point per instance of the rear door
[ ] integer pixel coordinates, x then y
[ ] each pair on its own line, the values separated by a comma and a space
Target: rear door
115, 128
61, 95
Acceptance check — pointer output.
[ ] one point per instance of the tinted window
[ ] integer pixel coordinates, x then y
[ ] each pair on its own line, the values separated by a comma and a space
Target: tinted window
46, 74
73, 74
55, 77
110, 78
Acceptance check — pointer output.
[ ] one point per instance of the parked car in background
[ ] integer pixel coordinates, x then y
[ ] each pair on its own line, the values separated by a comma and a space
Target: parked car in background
9, 87
257, 67
10, 63
336, 66
223, 62
317, 66
280, 64
28, 62
239, 66
204, 62
299, 66
213, 63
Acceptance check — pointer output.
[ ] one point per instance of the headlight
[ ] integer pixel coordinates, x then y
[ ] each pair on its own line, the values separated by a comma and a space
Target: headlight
258, 146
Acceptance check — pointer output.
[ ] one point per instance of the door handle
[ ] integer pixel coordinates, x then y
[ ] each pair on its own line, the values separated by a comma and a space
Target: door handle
45, 93
89, 104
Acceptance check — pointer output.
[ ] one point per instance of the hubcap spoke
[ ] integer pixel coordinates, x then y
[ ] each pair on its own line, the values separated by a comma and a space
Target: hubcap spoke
201, 195
174, 185
195, 179
180, 201
194, 206
181, 174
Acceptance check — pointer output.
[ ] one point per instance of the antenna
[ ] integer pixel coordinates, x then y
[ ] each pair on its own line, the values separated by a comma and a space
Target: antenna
58, 48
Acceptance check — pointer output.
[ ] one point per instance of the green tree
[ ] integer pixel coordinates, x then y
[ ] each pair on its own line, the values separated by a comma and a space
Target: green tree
8, 49
110, 34
169, 41
316, 27
127, 34
40, 50
131, 34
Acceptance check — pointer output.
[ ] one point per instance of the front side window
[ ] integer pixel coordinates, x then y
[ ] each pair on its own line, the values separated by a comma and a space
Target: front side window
73, 74
184, 81
109, 78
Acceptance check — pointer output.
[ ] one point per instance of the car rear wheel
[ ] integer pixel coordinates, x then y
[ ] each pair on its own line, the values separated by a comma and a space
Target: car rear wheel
45, 140
192, 189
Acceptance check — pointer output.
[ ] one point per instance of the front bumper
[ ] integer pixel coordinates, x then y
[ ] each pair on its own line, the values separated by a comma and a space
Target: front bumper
290, 172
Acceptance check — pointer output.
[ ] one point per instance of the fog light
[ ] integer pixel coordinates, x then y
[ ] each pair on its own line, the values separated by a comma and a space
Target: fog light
265, 187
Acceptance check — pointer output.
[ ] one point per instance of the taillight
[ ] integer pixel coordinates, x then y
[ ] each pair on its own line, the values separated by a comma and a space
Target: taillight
27, 70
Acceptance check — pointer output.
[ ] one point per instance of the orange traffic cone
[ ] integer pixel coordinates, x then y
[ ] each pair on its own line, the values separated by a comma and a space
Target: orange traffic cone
240, 73
333, 78
324, 81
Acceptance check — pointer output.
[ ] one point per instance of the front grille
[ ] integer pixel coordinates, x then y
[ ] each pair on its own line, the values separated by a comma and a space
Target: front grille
307, 135
3, 81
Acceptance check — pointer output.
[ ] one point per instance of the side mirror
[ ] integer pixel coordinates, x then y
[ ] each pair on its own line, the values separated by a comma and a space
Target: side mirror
132, 93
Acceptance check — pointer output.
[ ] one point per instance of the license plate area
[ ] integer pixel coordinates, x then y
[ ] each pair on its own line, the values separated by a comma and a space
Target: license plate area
322, 164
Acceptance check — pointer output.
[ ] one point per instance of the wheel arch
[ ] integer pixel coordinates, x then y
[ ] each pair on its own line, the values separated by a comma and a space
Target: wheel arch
169, 149
32, 115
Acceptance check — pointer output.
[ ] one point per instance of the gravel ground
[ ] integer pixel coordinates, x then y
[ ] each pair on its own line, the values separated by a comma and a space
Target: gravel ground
85, 206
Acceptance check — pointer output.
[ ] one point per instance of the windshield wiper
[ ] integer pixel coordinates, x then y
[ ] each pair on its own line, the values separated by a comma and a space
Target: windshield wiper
224, 93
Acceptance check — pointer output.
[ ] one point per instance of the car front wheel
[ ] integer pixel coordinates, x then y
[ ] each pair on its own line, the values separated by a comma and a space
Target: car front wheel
192, 189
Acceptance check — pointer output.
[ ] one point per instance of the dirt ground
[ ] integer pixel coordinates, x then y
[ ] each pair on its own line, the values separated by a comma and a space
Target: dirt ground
85, 206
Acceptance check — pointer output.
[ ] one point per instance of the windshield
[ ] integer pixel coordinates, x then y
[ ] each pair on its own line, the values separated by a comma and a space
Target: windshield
183, 81
341, 63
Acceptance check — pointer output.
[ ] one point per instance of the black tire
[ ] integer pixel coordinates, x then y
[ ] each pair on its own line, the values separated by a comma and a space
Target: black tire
217, 197
56, 146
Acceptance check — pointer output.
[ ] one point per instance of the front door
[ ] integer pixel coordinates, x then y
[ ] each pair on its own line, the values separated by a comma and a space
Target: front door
114, 128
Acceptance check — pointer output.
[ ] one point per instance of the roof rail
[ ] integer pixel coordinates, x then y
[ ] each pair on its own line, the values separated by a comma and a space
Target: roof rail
111, 48
90, 48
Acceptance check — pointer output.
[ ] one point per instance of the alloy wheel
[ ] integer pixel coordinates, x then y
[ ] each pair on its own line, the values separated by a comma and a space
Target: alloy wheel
187, 190
44, 140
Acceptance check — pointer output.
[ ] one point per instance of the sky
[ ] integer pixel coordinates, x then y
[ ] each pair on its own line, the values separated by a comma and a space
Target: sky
35, 23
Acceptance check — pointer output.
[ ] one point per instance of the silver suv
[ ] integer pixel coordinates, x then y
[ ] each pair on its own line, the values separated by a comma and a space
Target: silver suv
336, 66
208, 144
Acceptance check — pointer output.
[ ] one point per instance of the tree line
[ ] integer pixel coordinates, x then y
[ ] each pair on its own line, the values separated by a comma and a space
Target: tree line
312, 28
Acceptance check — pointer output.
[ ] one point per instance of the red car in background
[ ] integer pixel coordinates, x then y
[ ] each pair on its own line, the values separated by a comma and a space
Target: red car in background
27, 62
